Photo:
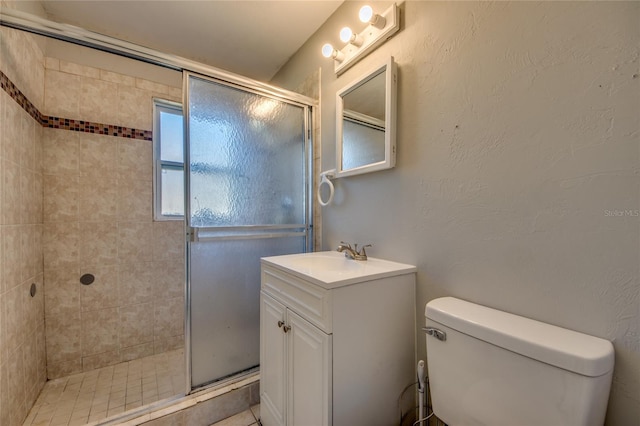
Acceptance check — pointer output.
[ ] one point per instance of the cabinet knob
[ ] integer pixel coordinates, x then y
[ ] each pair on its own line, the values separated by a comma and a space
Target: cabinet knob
286, 328
280, 324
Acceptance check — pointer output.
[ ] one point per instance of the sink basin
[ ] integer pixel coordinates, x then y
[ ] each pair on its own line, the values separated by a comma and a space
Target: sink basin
331, 269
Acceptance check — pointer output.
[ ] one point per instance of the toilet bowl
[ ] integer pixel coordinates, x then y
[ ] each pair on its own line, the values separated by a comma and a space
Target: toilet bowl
488, 367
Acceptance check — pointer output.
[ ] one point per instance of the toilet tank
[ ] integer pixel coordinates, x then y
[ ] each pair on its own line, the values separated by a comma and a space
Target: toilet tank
496, 368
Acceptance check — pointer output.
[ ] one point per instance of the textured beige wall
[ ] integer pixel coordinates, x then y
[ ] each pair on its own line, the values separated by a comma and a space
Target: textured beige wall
22, 331
518, 147
98, 219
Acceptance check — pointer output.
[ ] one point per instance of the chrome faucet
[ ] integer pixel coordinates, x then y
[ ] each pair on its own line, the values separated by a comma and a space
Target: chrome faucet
353, 253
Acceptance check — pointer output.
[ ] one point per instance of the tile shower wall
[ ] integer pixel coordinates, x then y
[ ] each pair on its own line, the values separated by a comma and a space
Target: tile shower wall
98, 220
22, 331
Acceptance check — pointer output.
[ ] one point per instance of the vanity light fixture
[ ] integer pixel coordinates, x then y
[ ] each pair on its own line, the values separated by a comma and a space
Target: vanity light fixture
379, 29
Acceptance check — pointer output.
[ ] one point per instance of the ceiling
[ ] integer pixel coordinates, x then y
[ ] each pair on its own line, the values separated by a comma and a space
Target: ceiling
253, 38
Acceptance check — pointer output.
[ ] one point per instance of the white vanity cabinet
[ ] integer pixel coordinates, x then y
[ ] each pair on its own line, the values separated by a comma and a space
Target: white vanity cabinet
337, 340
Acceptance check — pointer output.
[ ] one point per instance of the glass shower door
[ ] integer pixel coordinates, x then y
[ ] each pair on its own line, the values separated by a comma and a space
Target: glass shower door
248, 197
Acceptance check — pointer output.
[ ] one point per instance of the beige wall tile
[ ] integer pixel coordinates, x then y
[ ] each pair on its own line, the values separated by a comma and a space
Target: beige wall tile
61, 94
135, 200
136, 324
135, 241
3, 101
98, 197
161, 345
135, 352
31, 378
60, 198
62, 369
13, 259
99, 331
13, 318
33, 306
61, 152
169, 317
52, 64
135, 282
10, 193
16, 385
42, 352
2, 270
38, 202
98, 101
4, 391
77, 69
62, 292
169, 277
104, 359
175, 94
31, 250
103, 293
60, 245
98, 243
28, 140
63, 341
11, 136
27, 195
168, 240
98, 155
135, 159
121, 79
152, 86
39, 146
135, 108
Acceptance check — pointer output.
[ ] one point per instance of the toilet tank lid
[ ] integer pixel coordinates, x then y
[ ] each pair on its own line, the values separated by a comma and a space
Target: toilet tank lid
567, 349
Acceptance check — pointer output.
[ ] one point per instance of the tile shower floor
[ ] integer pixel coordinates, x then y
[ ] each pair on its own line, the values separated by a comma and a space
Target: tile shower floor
95, 395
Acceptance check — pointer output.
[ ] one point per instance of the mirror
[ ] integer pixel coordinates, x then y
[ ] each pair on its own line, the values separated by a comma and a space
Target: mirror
365, 122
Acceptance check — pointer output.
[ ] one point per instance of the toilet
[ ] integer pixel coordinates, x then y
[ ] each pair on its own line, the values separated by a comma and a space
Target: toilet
488, 367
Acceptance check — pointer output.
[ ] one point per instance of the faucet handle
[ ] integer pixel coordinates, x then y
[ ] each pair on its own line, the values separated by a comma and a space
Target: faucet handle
342, 243
363, 252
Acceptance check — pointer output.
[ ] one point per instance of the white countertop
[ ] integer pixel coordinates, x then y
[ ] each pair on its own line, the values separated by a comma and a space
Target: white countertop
330, 269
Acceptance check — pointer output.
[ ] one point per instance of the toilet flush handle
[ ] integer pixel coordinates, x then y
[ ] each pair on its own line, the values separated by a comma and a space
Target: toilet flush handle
438, 334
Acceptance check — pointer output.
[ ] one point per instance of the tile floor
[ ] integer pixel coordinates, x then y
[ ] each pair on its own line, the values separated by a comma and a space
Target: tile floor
95, 395
246, 418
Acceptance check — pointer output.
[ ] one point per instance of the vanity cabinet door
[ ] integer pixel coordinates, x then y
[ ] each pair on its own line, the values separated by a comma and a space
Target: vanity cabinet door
308, 373
272, 361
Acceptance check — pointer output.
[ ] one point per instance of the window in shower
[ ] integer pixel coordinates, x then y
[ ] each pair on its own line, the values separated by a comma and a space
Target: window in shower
168, 148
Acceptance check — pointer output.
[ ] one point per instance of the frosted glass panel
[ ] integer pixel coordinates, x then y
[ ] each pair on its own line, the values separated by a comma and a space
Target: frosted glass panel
247, 157
248, 191
225, 304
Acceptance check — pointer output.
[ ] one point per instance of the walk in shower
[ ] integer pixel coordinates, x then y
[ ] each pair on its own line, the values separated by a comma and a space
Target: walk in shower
140, 334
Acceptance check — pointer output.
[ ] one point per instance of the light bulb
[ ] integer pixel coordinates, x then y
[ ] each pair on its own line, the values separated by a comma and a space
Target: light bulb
366, 13
327, 50
346, 34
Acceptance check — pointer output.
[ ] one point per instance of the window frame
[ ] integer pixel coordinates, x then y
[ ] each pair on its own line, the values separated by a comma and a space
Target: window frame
163, 105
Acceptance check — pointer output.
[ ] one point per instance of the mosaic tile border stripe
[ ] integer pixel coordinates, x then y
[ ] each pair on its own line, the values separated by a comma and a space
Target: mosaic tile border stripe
69, 124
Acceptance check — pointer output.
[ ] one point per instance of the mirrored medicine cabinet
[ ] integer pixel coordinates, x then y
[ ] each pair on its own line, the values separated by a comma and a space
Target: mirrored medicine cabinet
366, 121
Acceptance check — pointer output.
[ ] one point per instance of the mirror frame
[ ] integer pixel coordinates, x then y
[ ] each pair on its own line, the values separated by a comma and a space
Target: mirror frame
391, 79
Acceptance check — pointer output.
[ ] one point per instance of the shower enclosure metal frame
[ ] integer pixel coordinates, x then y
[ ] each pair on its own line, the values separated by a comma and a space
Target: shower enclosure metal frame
36, 25
193, 234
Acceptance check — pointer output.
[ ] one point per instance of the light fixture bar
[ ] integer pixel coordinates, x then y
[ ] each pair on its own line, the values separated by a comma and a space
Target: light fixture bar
372, 37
